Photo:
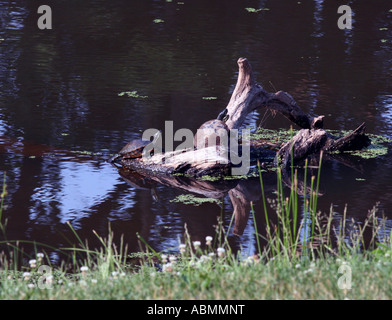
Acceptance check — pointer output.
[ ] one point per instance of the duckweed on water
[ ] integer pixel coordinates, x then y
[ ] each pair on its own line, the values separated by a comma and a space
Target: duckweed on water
378, 147
251, 174
193, 200
373, 151
158, 21
254, 10
280, 135
89, 153
210, 178
132, 94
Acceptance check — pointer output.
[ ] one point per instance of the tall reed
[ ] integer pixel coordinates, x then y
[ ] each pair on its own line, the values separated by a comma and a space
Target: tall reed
283, 239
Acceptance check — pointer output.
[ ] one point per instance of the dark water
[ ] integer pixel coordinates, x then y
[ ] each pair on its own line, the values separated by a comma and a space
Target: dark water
59, 98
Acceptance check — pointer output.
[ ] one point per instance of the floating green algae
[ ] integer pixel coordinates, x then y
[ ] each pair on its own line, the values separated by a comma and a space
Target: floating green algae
132, 94
209, 178
254, 10
89, 153
373, 151
280, 135
378, 147
193, 200
253, 173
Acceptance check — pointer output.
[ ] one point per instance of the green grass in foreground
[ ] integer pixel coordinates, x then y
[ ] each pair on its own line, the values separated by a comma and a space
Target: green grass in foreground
218, 278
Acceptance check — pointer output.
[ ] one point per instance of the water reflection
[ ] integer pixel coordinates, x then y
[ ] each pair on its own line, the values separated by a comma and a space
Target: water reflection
318, 18
384, 107
80, 187
12, 22
242, 193
59, 96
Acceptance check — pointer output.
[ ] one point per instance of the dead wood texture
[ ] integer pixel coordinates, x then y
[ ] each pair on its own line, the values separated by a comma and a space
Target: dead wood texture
307, 142
246, 97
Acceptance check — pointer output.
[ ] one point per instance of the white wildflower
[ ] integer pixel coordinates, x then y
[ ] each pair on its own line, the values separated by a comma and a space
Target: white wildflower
83, 269
221, 252
203, 259
196, 244
168, 267
26, 275
182, 247
33, 263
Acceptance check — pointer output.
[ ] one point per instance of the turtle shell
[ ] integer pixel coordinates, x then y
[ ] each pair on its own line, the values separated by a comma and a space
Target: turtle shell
134, 149
210, 128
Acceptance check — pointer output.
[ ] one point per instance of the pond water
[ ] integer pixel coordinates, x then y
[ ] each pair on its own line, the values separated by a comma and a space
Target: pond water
61, 115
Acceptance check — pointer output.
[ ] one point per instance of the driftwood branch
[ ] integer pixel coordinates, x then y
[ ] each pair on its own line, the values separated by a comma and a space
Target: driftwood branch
307, 142
246, 97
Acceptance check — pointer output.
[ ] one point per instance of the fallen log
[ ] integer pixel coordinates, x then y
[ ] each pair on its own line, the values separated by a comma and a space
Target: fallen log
311, 141
246, 97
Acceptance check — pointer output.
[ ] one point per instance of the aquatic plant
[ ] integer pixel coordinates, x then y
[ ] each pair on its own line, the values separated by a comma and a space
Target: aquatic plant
254, 10
132, 94
190, 199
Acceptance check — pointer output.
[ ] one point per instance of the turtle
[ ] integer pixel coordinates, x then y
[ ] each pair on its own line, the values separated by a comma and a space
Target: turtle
211, 128
223, 115
134, 149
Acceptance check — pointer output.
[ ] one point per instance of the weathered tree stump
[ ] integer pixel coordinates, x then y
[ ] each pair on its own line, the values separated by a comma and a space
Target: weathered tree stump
248, 96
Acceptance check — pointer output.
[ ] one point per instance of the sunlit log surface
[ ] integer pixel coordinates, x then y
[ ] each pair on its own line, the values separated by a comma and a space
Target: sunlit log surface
246, 97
